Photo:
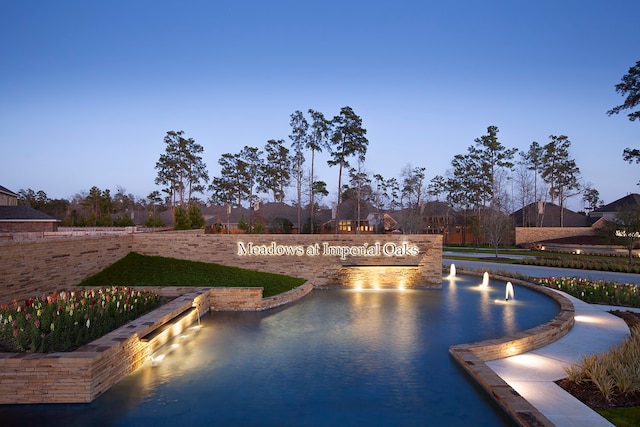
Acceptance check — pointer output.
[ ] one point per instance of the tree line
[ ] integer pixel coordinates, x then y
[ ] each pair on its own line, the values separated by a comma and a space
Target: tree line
486, 182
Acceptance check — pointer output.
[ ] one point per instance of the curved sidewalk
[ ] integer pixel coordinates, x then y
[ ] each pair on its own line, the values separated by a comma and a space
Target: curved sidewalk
533, 374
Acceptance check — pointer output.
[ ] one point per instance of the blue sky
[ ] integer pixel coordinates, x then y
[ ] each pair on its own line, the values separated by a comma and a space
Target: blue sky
89, 89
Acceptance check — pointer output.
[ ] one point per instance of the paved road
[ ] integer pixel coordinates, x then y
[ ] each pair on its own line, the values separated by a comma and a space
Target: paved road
535, 271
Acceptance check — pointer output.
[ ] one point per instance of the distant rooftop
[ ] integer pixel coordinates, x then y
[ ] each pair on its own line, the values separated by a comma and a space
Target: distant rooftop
23, 213
5, 190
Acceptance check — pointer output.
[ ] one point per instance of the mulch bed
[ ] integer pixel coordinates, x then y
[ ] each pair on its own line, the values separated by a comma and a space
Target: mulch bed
588, 393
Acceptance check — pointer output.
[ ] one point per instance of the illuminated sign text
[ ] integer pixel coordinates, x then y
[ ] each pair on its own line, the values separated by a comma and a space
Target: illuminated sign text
389, 249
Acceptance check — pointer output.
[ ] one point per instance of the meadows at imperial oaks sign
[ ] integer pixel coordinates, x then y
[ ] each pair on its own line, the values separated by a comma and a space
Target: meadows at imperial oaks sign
377, 249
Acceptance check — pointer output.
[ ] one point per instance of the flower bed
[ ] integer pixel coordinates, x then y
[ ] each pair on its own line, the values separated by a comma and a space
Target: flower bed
64, 321
595, 291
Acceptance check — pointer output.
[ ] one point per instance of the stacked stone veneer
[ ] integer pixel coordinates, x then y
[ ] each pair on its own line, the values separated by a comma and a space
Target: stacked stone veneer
33, 268
320, 269
37, 267
472, 358
529, 235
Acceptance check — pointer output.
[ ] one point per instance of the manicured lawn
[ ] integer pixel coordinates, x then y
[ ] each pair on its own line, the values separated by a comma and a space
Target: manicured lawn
622, 417
140, 270
544, 258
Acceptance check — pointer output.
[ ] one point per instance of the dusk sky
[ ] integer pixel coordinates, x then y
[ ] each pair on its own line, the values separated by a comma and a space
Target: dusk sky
89, 89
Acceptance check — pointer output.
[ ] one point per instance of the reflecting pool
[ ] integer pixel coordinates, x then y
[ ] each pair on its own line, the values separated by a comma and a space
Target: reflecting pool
336, 357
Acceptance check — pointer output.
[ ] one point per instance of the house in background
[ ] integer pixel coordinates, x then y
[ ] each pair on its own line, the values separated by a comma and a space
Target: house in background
22, 219
545, 214
8, 197
610, 211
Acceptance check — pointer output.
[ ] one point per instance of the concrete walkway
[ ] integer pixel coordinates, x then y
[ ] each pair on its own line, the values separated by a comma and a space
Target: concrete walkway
533, 374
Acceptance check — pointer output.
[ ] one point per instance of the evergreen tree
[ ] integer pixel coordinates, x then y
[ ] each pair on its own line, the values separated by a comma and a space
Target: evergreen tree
181, 220
181, 169
317, 140
196, 218
559, 170
347, 140
299, 127
276, 171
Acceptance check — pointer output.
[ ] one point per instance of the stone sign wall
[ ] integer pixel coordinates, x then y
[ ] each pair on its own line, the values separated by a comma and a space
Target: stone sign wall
321, 259
34, 268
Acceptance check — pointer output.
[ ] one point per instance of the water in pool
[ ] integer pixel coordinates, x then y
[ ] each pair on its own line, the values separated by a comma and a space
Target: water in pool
336, 357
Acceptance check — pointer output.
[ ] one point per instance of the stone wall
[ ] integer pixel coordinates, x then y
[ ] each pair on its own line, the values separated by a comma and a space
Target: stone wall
34, 268
528, 235
308, 260
250, 299
38, 267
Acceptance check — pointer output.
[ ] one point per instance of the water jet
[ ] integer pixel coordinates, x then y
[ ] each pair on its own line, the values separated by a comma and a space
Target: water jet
508, 292
485, 280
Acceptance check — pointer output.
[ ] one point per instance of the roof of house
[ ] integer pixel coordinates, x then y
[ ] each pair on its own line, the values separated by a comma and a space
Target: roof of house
550, 216
5, 190
23, 213
632, 199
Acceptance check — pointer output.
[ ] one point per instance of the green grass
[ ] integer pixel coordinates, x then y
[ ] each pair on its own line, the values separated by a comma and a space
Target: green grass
622, 417
140, 270
544, 258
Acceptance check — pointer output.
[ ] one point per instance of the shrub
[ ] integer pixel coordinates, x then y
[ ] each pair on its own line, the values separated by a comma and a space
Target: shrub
154, 222
617, 371
195, 216
181, 220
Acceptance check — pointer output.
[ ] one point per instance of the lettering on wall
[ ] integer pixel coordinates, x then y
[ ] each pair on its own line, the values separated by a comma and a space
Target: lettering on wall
377, 249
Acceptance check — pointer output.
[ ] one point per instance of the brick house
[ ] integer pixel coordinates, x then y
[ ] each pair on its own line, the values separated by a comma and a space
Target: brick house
22, 219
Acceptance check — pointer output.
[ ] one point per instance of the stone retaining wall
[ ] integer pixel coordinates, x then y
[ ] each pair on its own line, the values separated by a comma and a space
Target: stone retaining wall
37, 267
528, 235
